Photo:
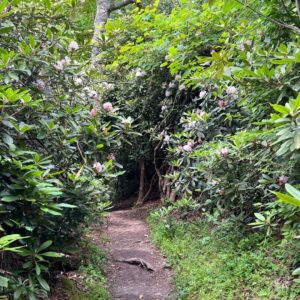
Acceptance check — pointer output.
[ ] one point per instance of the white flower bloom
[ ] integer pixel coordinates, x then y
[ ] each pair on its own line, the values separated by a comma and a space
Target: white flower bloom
77, 81
167, 139
66, 61
110, 86
187, 148
248, 42
73, 46
164, 108
224, 152
202, 94
182, 87
59, 65
92, 94
40, 84
171, 85
168, 93
140, 73
127, 122
231, 90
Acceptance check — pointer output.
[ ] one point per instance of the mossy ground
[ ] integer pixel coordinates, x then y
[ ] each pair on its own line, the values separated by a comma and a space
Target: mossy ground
211, 263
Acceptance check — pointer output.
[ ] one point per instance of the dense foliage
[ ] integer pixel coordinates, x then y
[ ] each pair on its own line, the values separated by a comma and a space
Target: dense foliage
214, 88
57, 139
223, 262
198, 98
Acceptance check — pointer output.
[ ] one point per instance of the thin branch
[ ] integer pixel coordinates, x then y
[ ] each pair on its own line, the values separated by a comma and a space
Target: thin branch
284, 25
120, 5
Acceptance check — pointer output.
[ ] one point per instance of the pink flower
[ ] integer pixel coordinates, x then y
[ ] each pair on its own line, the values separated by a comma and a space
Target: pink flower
97, 167
93, 112
223, 152
73, 46
111, 156
283, 179
107, 106
187, 148
222, 103
231, 90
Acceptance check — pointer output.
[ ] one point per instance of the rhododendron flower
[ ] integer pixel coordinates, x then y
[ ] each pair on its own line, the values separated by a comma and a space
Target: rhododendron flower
222, 103
92, 94
214, 182
283, 179
164, 107
66, 61
107, 106
77, 81
111, 156
40, 84
97, 167
182, 87
93, 112
168, 93
73, 46
231, 90
126, 122
202, 94
59, 65
140, 73
187, 148
224, 152
167, 139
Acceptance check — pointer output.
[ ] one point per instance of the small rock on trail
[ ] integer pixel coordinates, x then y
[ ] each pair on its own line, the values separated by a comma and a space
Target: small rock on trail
130, 255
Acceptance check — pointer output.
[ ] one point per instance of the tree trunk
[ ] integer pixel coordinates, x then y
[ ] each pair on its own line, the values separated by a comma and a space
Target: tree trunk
140, 199
104, 8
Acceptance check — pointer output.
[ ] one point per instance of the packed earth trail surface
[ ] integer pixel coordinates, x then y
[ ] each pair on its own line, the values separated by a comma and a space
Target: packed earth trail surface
136, 269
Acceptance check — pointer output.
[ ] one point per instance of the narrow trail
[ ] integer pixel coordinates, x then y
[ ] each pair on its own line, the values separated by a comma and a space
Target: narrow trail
130, 248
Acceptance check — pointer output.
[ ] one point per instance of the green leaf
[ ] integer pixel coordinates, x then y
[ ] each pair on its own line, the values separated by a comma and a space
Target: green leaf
3, 4
43, 283
52, 254
296, 272
293, 191
4, 282
50, 211
259, 216
6, 29
66, 205
7, 139
280, 108
44, 246
10, 198
287, 199
37, 269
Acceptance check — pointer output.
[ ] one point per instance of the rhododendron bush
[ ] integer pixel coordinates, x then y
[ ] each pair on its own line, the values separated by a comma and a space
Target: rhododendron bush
55, 139
219, 80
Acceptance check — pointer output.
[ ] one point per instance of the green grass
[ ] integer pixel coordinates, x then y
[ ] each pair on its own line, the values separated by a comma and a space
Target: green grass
94, 276
211, 263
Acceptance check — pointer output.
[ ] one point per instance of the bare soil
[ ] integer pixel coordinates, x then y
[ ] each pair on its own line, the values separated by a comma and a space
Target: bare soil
130, 244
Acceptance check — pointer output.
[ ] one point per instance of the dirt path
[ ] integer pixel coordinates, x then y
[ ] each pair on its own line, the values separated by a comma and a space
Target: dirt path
130, 241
